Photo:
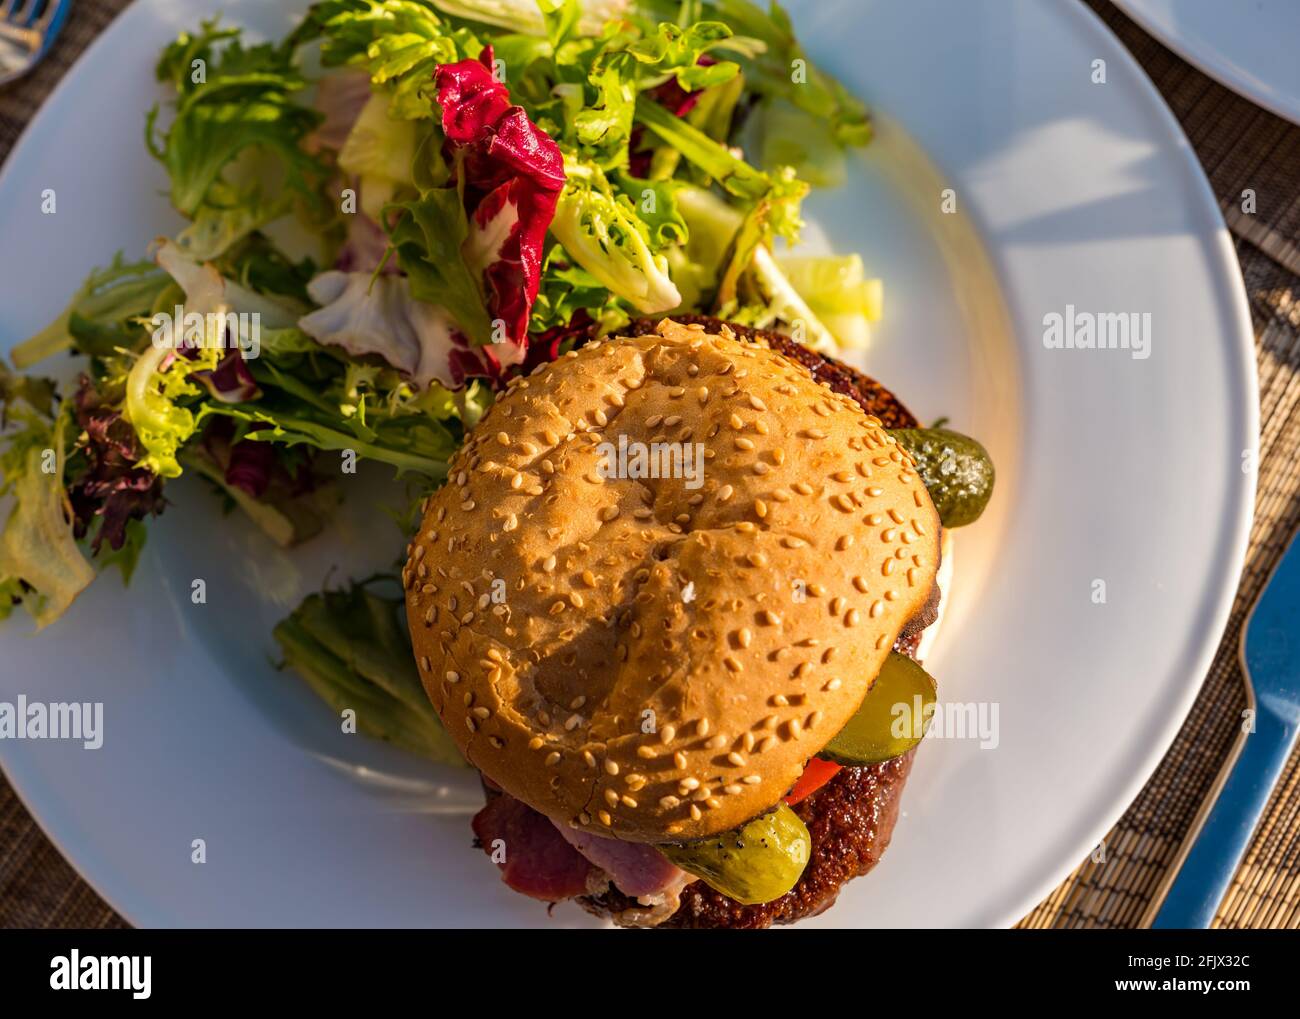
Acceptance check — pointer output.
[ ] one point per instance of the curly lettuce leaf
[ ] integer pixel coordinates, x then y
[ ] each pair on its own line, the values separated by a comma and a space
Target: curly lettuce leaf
414, 444
352, 647
157, 388
233, 150
399, 43
778, 68
41, 565
602, 232
429, 240
101, 315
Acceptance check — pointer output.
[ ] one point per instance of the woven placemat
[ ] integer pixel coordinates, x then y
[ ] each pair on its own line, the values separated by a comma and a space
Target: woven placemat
1241, 147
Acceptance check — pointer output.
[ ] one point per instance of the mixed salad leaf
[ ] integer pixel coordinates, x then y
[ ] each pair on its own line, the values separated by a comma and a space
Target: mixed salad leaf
389, 213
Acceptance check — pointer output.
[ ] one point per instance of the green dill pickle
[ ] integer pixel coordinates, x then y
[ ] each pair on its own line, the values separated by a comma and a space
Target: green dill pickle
755, 863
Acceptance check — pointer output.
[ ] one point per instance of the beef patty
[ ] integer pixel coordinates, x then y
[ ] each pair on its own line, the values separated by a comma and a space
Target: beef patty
851, 817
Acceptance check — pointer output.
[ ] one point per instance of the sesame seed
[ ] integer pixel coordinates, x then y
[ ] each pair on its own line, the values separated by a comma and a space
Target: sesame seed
553, 758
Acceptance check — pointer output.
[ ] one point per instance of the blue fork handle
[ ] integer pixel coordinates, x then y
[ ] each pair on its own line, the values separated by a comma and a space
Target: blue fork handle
1197, 891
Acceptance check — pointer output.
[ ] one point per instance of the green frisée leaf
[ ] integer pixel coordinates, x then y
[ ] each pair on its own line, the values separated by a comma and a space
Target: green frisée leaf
413, 444
673, 51
101, 315
41, 565
602, 232
735, 175
429, 240
352, 647
778, 68
399, 43
156, 394
234, 148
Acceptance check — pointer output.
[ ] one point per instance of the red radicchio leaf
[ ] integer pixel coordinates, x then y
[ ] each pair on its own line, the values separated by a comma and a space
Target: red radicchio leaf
111, 487
511, 173
230, 381
253, 466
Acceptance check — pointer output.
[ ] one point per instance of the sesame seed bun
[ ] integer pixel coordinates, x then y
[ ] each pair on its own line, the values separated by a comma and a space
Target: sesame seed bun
655, 659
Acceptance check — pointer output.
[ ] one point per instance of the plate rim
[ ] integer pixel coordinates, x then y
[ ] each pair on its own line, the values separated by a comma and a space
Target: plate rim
1208, 63
1243, 342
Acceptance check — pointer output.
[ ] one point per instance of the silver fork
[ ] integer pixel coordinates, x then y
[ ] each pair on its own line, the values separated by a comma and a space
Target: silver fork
27, 31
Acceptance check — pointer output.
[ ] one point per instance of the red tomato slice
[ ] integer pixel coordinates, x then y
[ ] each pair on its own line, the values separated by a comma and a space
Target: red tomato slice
818, 772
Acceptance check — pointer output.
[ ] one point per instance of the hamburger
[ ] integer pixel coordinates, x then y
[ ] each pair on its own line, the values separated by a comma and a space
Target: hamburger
677, 684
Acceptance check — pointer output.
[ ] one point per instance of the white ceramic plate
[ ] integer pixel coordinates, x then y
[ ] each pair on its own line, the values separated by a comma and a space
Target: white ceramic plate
1110, 469
1250, 47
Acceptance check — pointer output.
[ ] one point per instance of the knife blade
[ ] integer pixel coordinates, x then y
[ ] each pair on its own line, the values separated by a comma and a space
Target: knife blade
1213, 849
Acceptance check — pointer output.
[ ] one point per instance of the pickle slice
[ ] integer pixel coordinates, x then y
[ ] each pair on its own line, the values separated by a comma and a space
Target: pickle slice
892, 718
755, 863
956, 470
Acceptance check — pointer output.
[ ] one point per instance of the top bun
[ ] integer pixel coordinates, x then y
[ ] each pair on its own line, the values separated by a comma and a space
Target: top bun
657, 658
